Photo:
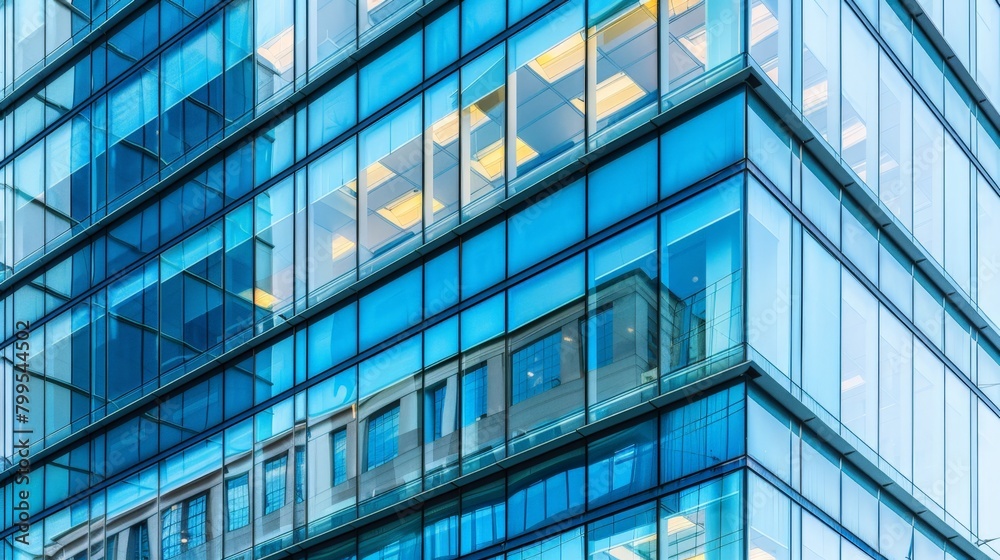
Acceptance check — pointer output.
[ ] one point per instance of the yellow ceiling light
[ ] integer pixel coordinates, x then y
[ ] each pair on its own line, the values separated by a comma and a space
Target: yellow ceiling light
341, 246
561, 59
677, 7
372, 4
628, 24
622, 552
814, 98
376, 174
695, 42
613, 94
261, 298
760, 554
851, 383
477, 117
405, 211
887, 163
772, 72
524, 152
762, 23
445, 131
678, 523
854, 133
279, 51
490, 158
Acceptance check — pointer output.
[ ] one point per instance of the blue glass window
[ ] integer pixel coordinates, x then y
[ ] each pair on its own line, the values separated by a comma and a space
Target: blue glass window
535, 368
622, 464
545, 292
274, 484
195, 524
607, 201
332, 339
474, 394
531, 236
389, 76
333, 26
171, 520
383, 437
239, 62
629, 534
138, 543
183, 529
333, 112
434, 407
391, 308
706, 143
604, 337
482, 261
192, 91
481, 20
238, 502
484, 519
441, 42
441, 532
300, 474
338, 442
546, 492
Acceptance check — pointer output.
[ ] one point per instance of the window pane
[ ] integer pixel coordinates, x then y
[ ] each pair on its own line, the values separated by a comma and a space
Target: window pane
770, 520
859, 361
482, 130
895, 393
860, 100
703, 520
771, 40
703, 433
820, 67
621, 329
275, 26
769, 279
548, 492
631, 534
928, 181
441, 155
391, 308
624, 83
274, 484
531, 236
391, 74
390, 183
607, 203
820, 319
192, 92
895, 136
331, 29
333, 112
702, 145
700, 278
703, 35
274, 252
622, 464
929, 423
333, 204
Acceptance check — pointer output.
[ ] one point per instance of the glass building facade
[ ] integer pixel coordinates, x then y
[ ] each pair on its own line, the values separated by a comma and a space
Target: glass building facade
499, 279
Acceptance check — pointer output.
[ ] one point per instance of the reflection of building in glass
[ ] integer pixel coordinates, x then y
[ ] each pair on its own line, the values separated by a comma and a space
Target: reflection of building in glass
487, 279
